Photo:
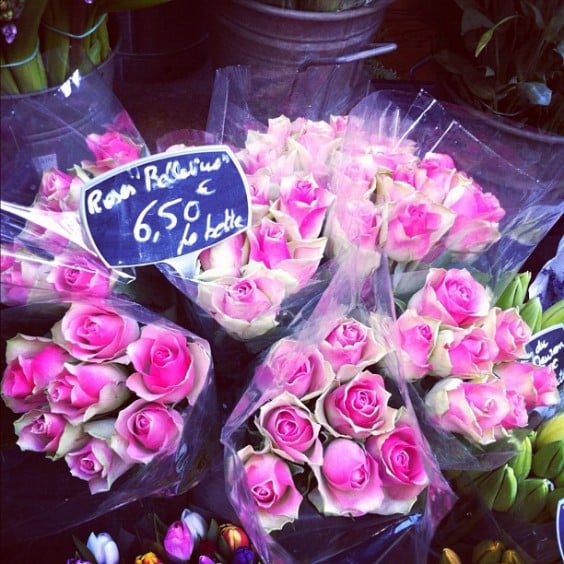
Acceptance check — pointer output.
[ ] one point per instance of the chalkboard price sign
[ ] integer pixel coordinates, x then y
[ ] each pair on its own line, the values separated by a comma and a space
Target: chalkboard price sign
166, 206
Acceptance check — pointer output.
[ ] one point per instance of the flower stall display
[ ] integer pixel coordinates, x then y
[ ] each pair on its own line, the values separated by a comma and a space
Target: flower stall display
323, 451
112, 403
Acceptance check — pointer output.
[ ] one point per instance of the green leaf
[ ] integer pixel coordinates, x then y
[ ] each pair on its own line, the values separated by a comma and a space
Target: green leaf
487, 36
452, 62
537, 93
535, 10
473, 19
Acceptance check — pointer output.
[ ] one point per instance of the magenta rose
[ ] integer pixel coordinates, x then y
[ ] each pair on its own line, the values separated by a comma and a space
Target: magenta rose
290, 428
39, 430
247, 306
465, 353
348, 482
83, 391
96, 463
358, 408
32, 362
110, 150
476, 410
400, 462
412, 227
538, 385
272, 488
451, 296
350, 346
510, 333
169, 367
58, 191
77, 274
296, 367
302, 207
415, 337
95, 334
147, 429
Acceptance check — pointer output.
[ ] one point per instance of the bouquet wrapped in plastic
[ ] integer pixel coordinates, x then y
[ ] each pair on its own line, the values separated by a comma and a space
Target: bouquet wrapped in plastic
324, 455
109, 403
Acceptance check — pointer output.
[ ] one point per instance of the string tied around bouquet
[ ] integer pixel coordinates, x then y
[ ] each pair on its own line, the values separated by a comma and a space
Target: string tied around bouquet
23, 61
84, 35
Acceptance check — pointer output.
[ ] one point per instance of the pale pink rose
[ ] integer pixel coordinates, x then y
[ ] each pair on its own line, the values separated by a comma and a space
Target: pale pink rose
465, 353
350, 346
518, 415
76, 274
390, 191
291, 430
83, 391
537, 384
358, 408
260, 193
416, 337
97, 464
510, 333
348, 482
298, 368
354, 176
20, 279
473, 409
268, 243
94, 334
400, 462
110, 150
353, 222
39, 430
224, 258
412, 227
169, 367
58, 192
31, 363
271, 487
247, 306
452, 296
302, 207
339, 124
146, 430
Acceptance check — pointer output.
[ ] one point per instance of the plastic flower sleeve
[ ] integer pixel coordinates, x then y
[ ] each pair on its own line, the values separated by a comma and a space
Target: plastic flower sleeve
312, 447
51, 149
104, 403
418, 184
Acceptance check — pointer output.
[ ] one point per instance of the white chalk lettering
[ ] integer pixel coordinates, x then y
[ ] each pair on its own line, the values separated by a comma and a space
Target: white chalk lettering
110, 200
188, 240
230, 222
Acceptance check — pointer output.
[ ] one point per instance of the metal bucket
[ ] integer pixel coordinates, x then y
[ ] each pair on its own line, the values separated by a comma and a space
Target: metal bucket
245, 32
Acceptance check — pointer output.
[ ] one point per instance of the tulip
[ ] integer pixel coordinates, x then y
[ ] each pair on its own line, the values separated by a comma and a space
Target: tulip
148, 558
195, 522
233, 536
178, 541
103, 548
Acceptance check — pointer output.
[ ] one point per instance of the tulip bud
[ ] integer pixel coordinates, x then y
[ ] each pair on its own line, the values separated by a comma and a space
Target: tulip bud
548, 460
487, 552
448, 556
178, 541
531, 498
103, 548
510, 556
515, 292
233, 536
148, 558
550, 430
531, 314
195, 522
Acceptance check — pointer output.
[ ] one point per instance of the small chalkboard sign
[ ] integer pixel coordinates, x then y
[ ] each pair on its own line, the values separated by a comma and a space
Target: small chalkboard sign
166, 206
547, 348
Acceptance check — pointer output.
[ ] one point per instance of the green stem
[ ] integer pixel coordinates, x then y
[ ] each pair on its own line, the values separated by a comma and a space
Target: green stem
55, 46
7, 81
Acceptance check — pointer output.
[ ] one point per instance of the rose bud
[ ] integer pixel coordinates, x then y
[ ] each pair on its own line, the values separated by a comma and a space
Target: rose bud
233, 536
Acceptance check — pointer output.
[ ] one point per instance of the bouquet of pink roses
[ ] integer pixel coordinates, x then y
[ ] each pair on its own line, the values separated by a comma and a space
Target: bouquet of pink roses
323, 451
121, 397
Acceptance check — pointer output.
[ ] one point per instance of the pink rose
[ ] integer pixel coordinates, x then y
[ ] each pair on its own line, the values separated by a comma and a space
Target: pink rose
245, 307
97, 464
358, 408
225, 258
289, 426
268, 243
296, 367
412, 227
147, 429
82, 391
169, 367
415, 337
350, 346
80, 274
94, 334
510, 332
465, 353
348, 482
400, 462
518, 415
538, 385
110, 150
272, 488
40, 430
302, 207
32, 362
451, 296
19, 275
178, 541
473, 409
58, 191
